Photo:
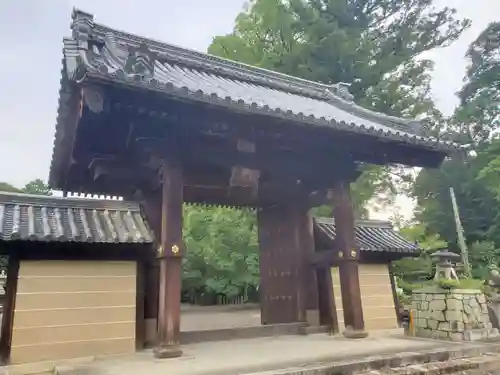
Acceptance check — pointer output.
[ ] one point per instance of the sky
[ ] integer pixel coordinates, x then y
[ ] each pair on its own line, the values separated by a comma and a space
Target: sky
31, 35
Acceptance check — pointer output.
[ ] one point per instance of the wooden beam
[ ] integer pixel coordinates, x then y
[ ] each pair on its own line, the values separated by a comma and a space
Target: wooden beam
218, 121
210, 185
170, 254
348, 265
325, 258
244, 178
220, 153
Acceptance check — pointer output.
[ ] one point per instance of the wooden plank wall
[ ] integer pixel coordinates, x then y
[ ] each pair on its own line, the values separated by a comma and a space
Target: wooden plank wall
71, 309
376, 296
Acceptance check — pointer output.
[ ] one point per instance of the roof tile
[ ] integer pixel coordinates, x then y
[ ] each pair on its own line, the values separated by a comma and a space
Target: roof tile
38, 218
371, 235
137, 61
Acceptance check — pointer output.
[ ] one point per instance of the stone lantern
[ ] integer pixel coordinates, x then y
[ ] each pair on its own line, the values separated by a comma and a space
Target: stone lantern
444, 265
494, 281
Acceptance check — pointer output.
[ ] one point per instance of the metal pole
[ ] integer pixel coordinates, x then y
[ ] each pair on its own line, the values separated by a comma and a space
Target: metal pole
460, 235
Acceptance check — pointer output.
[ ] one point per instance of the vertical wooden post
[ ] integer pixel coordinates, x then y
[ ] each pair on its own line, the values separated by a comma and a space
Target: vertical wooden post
327, 306
397, 304
348, 264
151, 208
170, 253
140, 320
9, 308
305, 228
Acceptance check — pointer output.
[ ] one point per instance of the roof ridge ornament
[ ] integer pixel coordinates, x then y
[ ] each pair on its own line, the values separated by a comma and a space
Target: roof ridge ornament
114, 57
81, 26
140, 61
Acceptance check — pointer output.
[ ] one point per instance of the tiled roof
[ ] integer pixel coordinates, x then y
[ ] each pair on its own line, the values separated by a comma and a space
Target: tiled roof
97, 51
40, 218
371, 235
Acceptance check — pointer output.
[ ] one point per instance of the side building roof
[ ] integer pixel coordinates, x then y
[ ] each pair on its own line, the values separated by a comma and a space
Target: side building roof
371, 236
26, 217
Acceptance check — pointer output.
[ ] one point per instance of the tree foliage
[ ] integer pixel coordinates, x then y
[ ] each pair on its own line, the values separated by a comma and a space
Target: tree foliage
8, 188
480, 95
414, 269
477, 205
475, 177
36, 187
332, 41
375, 45
223, 256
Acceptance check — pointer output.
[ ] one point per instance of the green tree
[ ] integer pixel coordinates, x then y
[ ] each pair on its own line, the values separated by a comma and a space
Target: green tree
482, 255
375, 45
477, 205
223, 256
476, 176
414, 269
480, 95
37, 187
8, 188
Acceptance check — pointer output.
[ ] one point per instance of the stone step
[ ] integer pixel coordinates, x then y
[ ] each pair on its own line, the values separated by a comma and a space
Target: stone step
486, 362
310, 330
433, 362
192, 337
481, 334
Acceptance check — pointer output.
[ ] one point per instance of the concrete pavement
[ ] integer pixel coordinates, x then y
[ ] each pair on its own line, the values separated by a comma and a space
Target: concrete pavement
262, 354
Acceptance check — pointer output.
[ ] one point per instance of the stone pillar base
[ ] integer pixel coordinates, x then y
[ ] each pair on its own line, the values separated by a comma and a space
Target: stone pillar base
151, 331
312, 317
171, 351
354, 334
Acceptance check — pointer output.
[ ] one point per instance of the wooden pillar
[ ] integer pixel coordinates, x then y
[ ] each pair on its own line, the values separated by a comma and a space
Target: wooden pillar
309, 288
327, 307
397, 304
170, 254
140, 320
348, 261
9, 308
151, 208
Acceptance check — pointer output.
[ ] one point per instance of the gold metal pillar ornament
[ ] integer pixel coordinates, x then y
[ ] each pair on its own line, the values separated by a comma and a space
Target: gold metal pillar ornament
341, 254
175, 249
159, 251
353, 254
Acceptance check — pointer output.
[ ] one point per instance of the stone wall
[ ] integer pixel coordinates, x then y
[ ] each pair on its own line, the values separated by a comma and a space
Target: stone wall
450, 314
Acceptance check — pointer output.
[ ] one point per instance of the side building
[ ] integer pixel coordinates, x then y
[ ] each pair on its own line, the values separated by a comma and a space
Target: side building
379, 245
74, 277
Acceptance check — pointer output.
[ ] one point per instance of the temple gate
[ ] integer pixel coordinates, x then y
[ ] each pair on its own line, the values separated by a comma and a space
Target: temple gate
164, 125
